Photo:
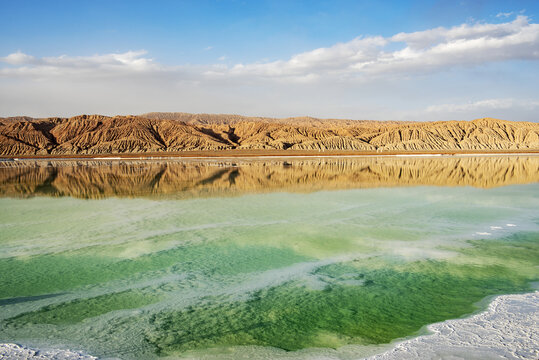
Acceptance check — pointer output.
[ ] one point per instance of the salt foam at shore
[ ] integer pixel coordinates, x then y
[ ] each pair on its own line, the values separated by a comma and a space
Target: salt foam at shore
14, 351
507, 330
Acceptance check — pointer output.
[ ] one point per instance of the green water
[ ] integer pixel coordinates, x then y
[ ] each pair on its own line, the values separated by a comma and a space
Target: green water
142, 278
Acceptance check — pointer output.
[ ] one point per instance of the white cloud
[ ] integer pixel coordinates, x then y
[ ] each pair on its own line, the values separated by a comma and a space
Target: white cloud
484, 105
504, 14
208, 48
96, 65
335, 60
423, 51
363, 57
18, 58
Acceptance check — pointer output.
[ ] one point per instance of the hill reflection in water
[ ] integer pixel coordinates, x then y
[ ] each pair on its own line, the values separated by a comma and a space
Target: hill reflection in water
213, 178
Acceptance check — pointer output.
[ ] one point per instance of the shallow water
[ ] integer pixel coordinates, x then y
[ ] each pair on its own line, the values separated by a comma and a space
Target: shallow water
146, 259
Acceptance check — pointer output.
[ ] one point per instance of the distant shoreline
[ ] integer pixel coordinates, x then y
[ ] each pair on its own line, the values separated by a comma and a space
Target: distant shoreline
265, 154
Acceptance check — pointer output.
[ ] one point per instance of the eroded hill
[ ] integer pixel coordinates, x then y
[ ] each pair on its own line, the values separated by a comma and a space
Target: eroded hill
175, 132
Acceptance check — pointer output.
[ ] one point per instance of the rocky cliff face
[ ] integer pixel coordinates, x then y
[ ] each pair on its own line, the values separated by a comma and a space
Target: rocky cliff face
174, 132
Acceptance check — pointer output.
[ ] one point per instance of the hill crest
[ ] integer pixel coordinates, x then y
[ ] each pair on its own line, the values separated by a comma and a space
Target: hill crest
178, 132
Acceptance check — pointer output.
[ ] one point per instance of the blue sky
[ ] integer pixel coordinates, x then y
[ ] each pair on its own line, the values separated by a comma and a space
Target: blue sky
260, 58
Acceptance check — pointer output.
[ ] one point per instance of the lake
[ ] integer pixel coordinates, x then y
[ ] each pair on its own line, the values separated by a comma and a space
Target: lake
259, 258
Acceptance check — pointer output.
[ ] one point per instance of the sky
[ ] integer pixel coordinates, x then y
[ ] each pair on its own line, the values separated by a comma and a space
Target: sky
381, 60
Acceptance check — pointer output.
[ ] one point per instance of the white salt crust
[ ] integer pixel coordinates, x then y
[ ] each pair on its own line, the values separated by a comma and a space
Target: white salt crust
508, 329
17, 352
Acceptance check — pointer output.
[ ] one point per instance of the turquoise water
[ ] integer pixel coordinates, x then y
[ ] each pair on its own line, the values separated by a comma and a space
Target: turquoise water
144, 277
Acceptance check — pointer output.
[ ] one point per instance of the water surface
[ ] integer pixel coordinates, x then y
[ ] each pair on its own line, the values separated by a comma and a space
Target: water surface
140, 259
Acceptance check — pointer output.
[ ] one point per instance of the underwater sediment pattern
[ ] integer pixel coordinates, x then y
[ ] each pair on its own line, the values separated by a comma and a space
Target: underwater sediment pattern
149, 277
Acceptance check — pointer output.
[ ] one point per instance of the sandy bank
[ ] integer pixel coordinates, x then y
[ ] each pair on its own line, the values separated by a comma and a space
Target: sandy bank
270, 154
